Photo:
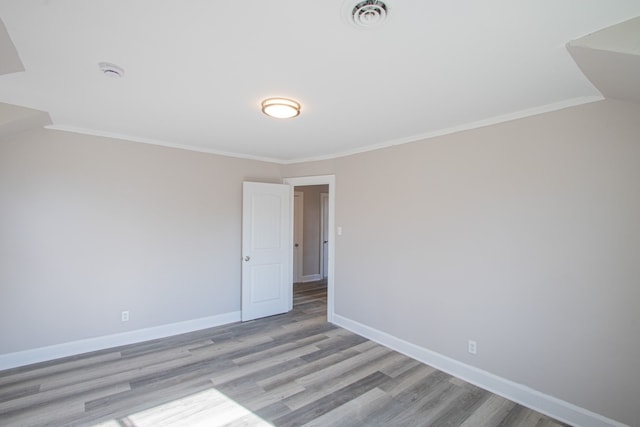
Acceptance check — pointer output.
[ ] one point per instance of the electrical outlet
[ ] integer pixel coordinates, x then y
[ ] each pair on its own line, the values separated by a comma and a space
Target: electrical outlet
473, 347
125, 316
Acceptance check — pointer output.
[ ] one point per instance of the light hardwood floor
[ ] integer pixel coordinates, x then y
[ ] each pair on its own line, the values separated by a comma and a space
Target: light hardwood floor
288, 370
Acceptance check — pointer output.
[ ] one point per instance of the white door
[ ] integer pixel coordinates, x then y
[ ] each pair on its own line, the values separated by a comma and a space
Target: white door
266, 250
324, 234
298, 218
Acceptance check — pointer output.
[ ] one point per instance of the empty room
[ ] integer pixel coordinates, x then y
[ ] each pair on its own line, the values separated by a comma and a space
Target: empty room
338, 213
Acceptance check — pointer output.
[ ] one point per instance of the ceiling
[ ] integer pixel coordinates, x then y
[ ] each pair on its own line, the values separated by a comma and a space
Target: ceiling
197, 70
610, 58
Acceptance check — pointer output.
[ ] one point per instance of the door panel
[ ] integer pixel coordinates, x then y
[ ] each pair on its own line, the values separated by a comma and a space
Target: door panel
262, 276
266, 249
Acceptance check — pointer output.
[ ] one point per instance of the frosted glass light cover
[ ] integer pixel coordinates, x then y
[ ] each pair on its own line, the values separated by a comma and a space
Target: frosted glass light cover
280, 108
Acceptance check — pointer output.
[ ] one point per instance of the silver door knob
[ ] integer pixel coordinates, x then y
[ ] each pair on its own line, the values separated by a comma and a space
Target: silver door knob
247, 258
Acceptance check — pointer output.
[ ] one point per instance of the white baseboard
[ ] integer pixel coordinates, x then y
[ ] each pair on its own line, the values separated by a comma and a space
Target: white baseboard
42, 354
549, 405
311, 278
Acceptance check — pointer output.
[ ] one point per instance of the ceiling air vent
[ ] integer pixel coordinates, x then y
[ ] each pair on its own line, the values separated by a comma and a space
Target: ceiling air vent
368, 14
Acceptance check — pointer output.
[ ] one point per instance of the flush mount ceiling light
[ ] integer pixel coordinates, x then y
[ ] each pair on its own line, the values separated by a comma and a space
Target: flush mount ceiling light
280, 108
111, 70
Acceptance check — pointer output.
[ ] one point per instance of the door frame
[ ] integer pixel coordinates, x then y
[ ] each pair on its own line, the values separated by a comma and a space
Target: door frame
324, 229
329, 180
298, 234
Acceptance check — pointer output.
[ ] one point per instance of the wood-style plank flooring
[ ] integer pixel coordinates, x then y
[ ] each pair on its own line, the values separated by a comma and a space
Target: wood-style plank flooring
289, 370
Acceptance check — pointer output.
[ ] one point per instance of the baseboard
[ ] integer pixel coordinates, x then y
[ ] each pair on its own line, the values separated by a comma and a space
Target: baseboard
43, 354
549, 405
311, 278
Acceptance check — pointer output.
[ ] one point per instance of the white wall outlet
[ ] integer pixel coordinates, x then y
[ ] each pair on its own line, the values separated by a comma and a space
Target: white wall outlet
473, 347
125, 316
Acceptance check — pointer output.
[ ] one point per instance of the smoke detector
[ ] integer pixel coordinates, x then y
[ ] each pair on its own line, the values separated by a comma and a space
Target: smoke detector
111, 70
368, 13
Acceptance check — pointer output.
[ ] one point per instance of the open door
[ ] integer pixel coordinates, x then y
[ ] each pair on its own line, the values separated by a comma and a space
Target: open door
266, 250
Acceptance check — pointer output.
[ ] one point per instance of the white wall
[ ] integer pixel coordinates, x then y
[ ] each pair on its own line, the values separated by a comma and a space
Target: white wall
91, 226
523, 236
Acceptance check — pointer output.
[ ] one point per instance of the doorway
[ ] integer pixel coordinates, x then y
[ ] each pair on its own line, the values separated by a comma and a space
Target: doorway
328, 248
307, 234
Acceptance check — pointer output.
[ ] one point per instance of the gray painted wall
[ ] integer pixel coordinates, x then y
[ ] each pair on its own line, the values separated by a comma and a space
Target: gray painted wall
523, 236
91, 226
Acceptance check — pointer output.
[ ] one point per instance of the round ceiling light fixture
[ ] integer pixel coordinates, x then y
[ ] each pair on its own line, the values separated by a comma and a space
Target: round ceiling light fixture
368, 13
111, 70
280, 108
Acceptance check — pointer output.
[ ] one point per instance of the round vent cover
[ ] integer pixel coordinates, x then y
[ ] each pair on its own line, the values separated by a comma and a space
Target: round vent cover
369, 13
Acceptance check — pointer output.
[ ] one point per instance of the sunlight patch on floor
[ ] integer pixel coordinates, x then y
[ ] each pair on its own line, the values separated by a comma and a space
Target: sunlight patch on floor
207, 408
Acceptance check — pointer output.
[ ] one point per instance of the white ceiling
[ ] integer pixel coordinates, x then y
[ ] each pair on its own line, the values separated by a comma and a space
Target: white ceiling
196, 70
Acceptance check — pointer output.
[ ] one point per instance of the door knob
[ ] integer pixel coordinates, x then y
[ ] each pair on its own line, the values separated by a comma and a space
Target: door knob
247, 258
296, 245
326, 241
